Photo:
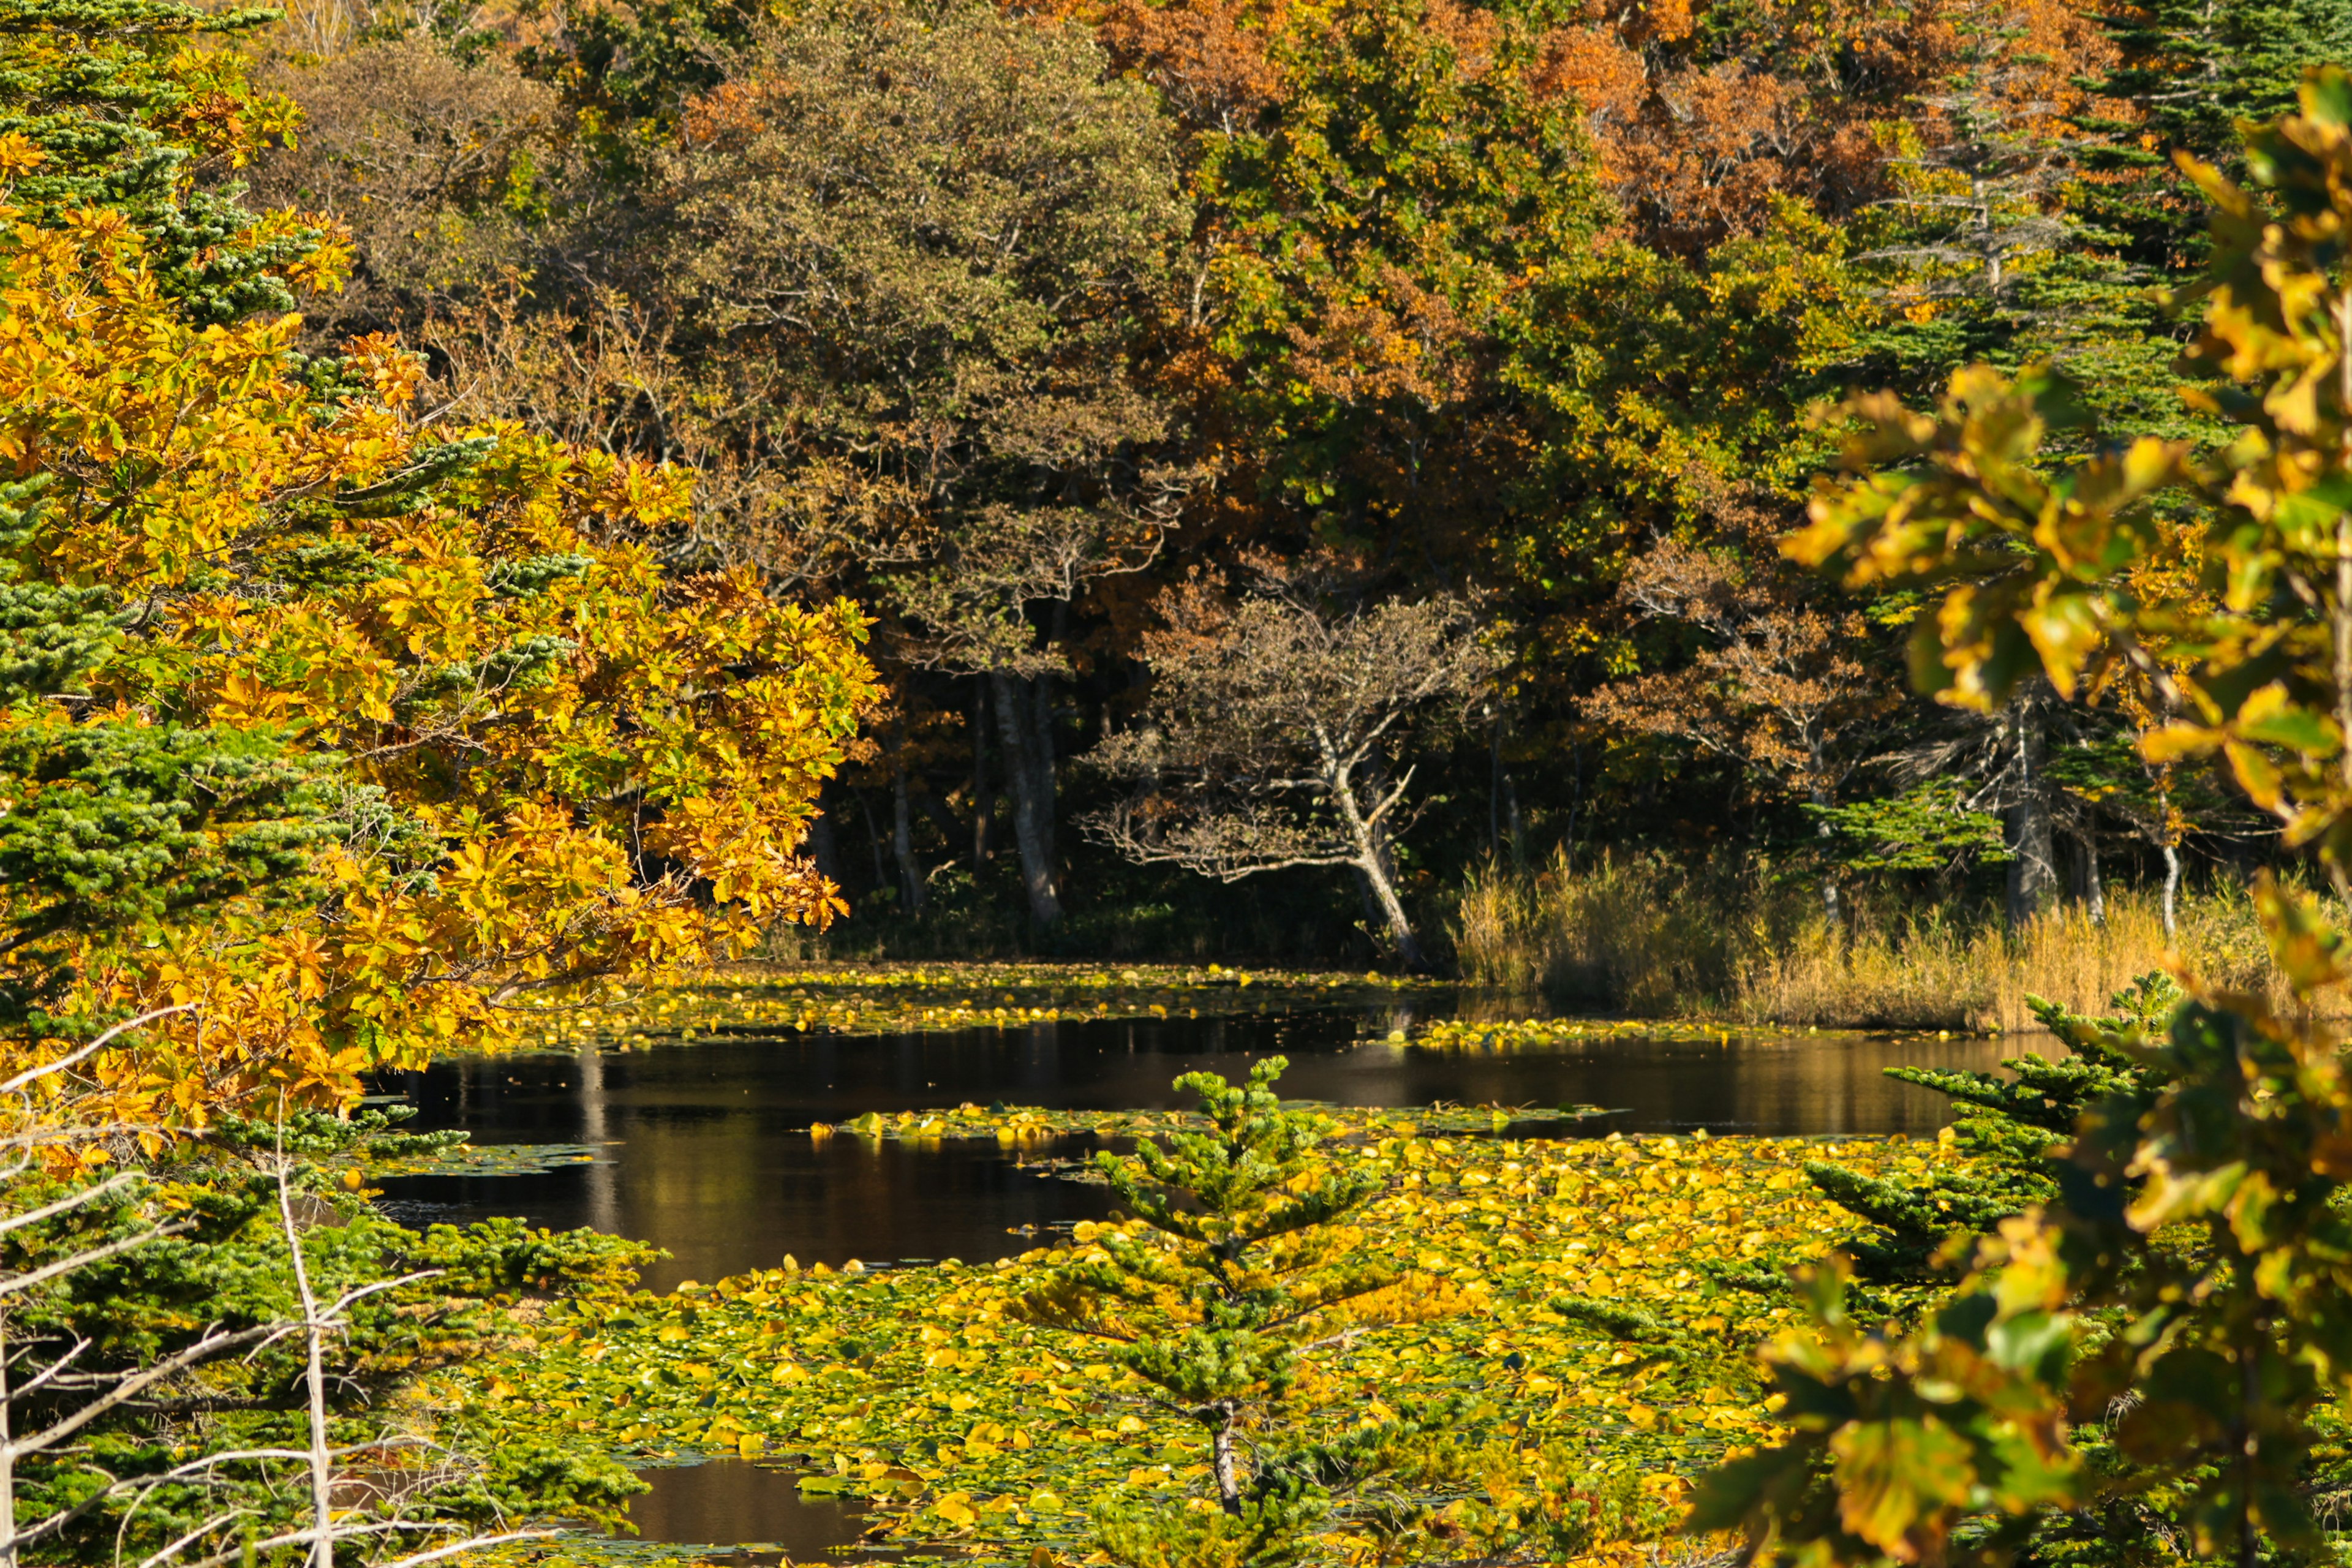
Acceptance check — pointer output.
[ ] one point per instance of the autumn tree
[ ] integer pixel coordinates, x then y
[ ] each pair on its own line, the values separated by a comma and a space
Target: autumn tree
288, 658
328, 739
1280, 732
1363, 238
2161, 1339
1784, 684
135, 107
447, 172
1707, 119
1978, 199
910, 249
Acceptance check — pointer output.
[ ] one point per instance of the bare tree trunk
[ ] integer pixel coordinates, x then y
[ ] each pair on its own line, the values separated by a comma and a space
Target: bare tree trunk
7, 1460
902, 845
1832, 906
1493, 785
2026, 825
2095, 890
2171, 889
1227, 1465
1372, 861
314, 1375
1019, 703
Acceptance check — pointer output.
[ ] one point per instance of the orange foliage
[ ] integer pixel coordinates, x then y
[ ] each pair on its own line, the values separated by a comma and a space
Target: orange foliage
1209, 57
1697, 148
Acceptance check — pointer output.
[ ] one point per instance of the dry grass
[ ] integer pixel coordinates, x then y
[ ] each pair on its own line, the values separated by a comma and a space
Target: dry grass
1641, 935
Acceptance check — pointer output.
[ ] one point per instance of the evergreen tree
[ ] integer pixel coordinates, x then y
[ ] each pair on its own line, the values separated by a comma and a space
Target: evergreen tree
2187, 73
2013, 1122
1238, 1266
113, 104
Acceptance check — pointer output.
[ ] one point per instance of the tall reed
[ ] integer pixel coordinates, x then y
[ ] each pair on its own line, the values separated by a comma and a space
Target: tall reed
1644, 935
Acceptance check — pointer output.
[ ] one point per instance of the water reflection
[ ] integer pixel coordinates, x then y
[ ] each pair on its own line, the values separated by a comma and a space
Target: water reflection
758, 1515
711, 1160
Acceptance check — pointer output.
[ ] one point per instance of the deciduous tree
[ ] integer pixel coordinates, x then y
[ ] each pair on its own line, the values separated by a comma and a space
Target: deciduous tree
2183, 1298
1280, 732
912, 249
449, 748
1784, 685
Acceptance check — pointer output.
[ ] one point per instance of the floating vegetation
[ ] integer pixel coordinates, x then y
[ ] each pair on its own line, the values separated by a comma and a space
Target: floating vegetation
871, 999
482, 1159
1601, 1298
1552, 1034
1015, 1125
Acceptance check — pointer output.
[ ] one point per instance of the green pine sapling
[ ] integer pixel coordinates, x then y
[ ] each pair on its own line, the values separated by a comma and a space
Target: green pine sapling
1237, 1266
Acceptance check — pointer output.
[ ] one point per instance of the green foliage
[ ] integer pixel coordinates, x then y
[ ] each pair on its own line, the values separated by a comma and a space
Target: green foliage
117, 826
2148, 1364
1892, 1442
2015, 1124
1929, 827
2193, 70
223, 1273
928, 1391
1233, 1269
1647, 383
128, 825
1371, 234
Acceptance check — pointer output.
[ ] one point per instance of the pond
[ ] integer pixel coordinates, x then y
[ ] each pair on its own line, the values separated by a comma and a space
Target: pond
709, 1155
756, 1511
710, 1158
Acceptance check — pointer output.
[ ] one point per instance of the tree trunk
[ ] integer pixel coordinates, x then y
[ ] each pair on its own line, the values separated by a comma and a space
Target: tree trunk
984, 804
1832, 905
823, 848
1227, 1465
1021, 702
2094, 889
1515, 826
1493, 786
7, 1460
2026, 825
873, 840
1372, 861
2171, 889
902, 845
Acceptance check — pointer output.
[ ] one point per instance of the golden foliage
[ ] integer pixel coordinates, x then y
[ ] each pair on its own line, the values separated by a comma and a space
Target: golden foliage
556, 761
918, 1387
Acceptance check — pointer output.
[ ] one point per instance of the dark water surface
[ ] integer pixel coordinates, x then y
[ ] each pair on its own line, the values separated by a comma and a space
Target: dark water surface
710, 1159
709, 1156
730, 1502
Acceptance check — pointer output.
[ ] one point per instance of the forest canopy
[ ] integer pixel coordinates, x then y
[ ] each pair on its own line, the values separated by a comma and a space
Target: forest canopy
1068, 344
1032, 331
